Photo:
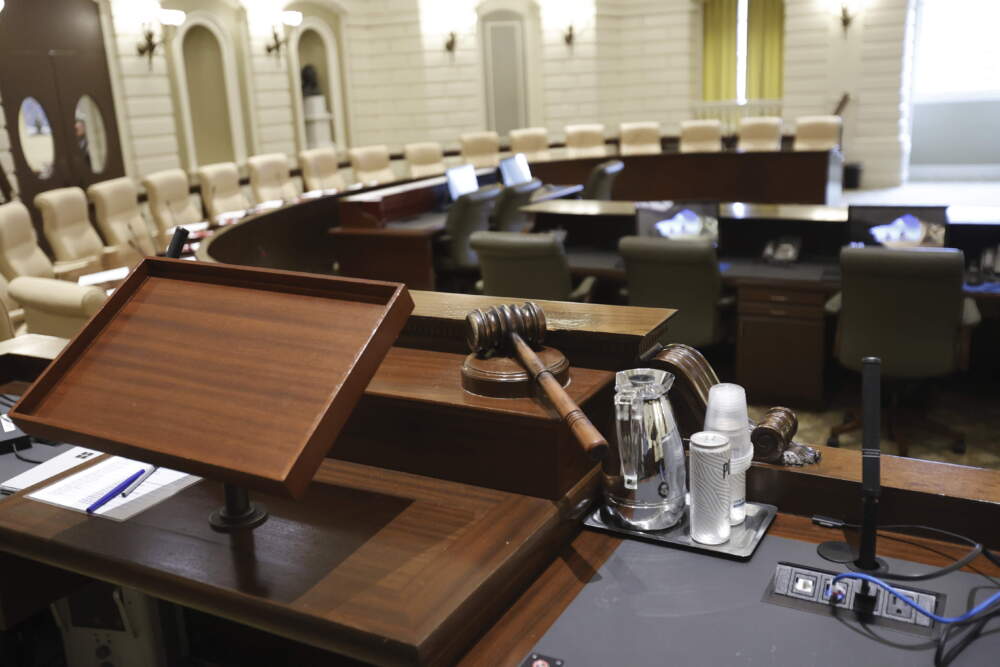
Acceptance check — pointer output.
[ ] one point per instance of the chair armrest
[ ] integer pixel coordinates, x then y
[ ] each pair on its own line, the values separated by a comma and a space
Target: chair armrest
56, 296
120, 255
833, 304
970, 313
583, 290
74, 268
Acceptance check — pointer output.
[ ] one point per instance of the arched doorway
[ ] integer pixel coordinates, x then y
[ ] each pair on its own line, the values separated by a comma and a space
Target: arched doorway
510, 35
207, 90
319, 110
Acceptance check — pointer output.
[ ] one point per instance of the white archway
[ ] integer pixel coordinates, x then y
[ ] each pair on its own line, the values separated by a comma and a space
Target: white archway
205, 20
334, 82
530, 14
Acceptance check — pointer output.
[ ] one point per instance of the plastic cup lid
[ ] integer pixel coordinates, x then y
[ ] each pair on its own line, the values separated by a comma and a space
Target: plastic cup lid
709, 440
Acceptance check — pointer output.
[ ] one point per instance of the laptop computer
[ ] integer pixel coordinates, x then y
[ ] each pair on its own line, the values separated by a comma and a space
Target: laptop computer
461, 181
514, 170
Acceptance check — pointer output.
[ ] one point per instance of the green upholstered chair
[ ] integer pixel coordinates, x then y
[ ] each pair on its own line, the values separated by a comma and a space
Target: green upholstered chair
602, 180
457, 264
527, 266
508, 216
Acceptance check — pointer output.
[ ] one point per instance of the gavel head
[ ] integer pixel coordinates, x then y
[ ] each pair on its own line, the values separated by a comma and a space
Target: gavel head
490, 329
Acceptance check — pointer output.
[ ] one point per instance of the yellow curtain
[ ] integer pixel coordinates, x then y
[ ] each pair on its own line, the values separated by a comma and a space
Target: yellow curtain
718, 59
765, 49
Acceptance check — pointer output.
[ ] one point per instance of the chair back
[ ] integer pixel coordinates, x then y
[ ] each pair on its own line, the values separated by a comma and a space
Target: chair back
19, 251
532, 141
508, 216
425, 159
320, 169
523, 266
585, 140
639, 139
665, 273
169, 199
220, 189
116, 207
469, 214
372, 165
270, 178
480, 149
817, 133
903, 306
760, 133
56, 307
601, 181
66, 225
701, 136
7, 304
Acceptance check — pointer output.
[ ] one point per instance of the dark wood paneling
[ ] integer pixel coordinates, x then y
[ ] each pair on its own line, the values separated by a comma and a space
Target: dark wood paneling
399, 255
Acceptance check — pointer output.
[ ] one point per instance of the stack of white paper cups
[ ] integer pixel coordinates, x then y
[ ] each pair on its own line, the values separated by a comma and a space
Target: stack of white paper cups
727, 414
709, 469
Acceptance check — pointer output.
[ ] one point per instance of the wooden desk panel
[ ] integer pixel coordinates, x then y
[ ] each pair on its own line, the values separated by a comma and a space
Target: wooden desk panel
397, 255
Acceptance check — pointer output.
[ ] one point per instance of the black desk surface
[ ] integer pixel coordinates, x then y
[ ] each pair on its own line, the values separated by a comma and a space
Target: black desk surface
653, 605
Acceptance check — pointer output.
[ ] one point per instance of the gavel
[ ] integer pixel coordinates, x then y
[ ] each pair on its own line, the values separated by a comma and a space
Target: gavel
515, 329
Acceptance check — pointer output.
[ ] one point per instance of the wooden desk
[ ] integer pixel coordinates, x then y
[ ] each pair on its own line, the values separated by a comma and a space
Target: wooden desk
771, 177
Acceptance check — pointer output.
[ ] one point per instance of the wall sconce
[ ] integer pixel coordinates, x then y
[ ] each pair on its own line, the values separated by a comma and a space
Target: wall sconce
148, 44
449, 44
290, 19
847, 10
569, 36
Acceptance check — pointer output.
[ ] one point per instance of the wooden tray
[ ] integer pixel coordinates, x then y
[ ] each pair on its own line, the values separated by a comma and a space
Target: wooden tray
238, 374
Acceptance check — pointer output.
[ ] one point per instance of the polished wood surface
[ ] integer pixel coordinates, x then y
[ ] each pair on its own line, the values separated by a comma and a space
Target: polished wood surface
590, 335
404, 255
382, 566
178, 369
770, 177
510, 639
581, 207
416, 417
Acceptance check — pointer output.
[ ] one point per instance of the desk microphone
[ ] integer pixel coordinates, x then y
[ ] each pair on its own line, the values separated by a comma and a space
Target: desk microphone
177, 242
865, 560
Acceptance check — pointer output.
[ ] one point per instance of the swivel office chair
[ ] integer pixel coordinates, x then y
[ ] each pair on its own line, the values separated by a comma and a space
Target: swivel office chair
320, 169
601, 181
677, 274
55, 307
425, 159
169, 199
585, 140
527, 266
457, 263
760, 133
532, 141
817, 133
20, 254
508, 216
701, 136
639, 139
116, 207
480, 149
905, 307
70, 234
220, 189
270, 178
371, 165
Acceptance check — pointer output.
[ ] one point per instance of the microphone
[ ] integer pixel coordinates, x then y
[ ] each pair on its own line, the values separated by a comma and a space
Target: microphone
177, 242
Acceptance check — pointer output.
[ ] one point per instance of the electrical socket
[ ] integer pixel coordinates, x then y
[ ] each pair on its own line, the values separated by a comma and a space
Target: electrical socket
896, 609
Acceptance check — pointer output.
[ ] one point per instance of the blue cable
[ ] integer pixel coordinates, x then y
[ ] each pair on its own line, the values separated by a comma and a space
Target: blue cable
902, 596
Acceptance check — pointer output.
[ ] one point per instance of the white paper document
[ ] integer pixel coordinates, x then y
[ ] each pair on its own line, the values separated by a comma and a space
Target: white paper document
43, 471
78, 492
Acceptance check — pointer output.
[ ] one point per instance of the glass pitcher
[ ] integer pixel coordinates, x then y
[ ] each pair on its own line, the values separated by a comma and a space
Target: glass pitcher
644, 474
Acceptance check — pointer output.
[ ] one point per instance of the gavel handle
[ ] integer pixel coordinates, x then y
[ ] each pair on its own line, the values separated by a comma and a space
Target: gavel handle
586, 433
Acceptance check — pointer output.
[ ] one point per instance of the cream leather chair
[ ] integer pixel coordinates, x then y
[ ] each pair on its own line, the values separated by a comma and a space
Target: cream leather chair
480, 149
11, 314
532, 141
116, 206
69, 232
19, 251
55, 307
425, 159
220, 189
270, 178
760, 133
320, 169
639, 139
585, 141
371, 165
701, 136
817, 133
169, 199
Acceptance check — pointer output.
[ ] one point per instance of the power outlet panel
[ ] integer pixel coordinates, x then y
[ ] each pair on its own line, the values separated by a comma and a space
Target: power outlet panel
812, 589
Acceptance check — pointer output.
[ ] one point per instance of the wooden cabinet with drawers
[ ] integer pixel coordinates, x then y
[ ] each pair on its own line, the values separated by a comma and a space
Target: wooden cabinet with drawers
780, 346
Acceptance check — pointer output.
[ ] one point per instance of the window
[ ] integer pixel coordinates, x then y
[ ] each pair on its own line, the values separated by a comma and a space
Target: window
957, 51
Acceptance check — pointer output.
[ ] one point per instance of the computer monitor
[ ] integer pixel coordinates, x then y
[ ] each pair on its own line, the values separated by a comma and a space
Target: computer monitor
514, 170
461, 181
678, 220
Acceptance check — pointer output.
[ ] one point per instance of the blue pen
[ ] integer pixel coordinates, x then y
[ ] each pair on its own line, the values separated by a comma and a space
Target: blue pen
102, 501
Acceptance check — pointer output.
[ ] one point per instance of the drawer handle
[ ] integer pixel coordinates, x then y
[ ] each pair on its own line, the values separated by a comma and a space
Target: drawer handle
779, 297
778, 312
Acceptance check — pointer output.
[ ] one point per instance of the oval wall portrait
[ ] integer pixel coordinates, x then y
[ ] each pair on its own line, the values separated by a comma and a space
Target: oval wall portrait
89, 134
36, 137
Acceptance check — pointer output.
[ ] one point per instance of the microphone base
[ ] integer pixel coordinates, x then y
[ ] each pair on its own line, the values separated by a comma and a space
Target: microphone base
844, 554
